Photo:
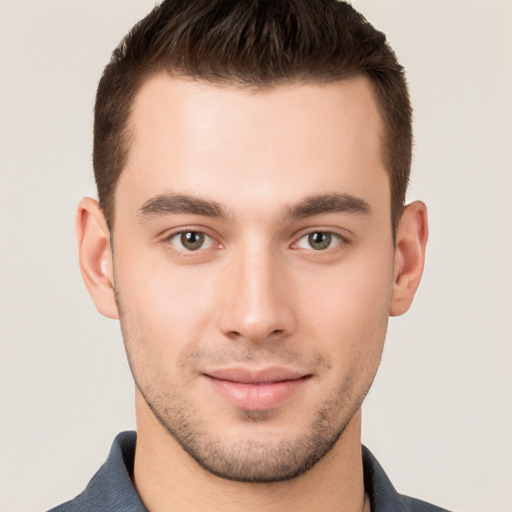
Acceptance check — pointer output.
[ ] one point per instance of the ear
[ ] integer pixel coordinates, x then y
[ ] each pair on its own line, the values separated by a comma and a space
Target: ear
411, 240
95, 256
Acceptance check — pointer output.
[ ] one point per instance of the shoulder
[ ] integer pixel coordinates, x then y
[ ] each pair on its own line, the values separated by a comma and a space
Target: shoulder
415, 505
111, 488
383, 496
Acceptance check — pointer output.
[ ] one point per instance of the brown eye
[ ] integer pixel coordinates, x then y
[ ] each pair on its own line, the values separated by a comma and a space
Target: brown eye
192, 240
319, 240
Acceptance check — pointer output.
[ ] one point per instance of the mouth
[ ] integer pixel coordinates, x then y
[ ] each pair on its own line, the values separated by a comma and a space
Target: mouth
256, 390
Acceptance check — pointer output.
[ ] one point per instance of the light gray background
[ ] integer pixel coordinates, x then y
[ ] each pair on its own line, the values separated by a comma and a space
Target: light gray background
439, 416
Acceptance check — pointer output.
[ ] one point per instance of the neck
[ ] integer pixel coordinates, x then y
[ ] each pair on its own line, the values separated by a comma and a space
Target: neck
167, 478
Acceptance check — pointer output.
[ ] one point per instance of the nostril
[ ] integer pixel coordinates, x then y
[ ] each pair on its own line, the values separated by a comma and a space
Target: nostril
234, 335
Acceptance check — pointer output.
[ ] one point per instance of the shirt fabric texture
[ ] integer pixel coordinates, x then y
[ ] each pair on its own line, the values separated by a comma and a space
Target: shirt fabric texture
111, 488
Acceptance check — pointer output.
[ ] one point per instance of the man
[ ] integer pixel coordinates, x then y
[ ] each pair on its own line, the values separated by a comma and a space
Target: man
252, 160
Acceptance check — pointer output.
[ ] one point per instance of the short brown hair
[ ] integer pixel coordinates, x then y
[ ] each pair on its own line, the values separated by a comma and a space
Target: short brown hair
251, 43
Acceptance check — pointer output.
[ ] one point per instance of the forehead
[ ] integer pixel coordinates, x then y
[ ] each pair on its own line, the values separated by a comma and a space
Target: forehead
281, 143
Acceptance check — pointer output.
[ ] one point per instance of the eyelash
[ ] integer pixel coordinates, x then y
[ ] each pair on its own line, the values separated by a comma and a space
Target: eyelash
184, 250
336, 241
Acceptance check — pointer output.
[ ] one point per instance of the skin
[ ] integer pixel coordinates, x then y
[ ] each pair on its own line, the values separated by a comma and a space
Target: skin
242, 167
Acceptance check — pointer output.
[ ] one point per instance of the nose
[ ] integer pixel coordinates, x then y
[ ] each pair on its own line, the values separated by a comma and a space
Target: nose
258, 298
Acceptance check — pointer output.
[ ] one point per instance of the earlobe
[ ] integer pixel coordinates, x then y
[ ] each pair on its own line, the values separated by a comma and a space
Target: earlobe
95, 256
411, 241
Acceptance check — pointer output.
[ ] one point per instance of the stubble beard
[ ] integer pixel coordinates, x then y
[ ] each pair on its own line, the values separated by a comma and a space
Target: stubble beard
255, 460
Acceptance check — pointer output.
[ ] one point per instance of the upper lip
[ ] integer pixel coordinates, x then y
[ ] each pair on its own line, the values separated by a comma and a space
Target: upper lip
261, 376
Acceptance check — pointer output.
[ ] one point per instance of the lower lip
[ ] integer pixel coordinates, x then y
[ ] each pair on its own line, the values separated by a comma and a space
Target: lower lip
256, 397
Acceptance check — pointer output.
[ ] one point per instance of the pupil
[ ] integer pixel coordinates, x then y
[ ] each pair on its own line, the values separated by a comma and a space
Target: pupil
319, 240
192, 240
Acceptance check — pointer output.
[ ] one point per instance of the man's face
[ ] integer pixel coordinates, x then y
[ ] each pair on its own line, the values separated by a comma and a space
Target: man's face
253, 267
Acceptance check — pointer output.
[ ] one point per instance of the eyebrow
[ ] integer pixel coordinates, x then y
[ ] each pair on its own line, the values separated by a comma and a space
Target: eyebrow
165, 204
328, 203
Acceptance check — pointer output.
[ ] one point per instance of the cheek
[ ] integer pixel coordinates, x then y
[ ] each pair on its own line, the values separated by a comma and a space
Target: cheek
163, 311
348, 310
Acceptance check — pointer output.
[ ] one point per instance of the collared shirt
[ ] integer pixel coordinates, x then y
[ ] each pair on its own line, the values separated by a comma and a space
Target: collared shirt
111, 488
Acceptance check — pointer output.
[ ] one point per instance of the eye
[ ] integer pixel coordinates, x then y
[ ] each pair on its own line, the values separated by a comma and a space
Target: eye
191, 240
319, 240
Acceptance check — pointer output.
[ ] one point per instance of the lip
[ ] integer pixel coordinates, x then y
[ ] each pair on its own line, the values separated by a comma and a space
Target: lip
261, 389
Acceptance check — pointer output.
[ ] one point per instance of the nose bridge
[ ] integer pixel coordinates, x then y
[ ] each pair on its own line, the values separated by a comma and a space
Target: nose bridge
259, 304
